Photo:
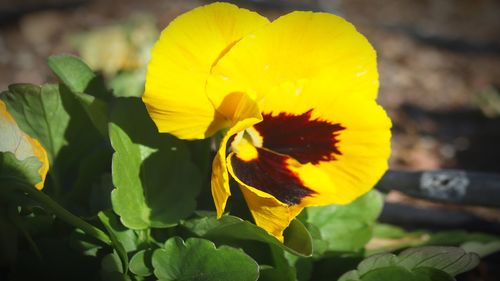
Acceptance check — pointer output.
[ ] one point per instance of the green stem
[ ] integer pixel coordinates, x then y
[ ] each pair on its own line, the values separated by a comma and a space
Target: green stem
63, 214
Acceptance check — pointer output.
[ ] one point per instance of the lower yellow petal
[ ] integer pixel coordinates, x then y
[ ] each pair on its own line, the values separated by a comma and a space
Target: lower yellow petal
274, 194
268, 212
341, 142
245, 113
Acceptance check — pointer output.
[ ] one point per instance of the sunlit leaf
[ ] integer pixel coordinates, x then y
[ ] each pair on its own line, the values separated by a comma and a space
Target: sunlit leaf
54, 117
22, 157
297, 238
141, 263
345, 227
199, 259
156, 182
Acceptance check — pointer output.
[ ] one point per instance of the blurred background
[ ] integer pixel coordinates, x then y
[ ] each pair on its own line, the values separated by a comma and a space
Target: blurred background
439, 64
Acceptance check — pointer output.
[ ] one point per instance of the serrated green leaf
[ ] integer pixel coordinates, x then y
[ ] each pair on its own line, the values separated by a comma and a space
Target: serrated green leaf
452, 260
199, 260
346, 227
430, 263
156, 183
377, 261
141, 263
58, 121
297, 239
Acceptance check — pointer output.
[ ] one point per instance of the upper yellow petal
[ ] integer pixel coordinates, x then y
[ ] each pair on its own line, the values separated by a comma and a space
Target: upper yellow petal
181, 61
320, 50
20, 144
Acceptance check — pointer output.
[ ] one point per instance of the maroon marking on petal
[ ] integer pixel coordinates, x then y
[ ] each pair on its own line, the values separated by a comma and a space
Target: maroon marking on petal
308, 141
269, 173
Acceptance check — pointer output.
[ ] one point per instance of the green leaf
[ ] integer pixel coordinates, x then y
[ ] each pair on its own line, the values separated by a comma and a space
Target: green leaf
457, 237
428, 263
345, 227
78, 76
432, 274
85, 85
390, 273
452, 260
297, 239
141, 263
72, 71
199, 260
129, 83
156, 182
111, 224
14, 169
53, 116
281, 270
97, 111
388, 238
21, 157
84, 243
330, 266
482, 249
112, 268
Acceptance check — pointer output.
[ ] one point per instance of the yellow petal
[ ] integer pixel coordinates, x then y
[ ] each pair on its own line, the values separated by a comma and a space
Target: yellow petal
341, 144
274, 193
363, 146
245, 113
23, 146
320, 50
181, 61
268, 212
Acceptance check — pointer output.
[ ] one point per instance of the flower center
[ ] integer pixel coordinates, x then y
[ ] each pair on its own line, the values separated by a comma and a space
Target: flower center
245, 144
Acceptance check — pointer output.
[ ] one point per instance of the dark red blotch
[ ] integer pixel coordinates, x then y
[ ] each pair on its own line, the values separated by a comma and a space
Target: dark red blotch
305, 139
270, 173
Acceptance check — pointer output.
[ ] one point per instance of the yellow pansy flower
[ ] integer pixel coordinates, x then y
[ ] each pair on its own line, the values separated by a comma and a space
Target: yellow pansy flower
295, 96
